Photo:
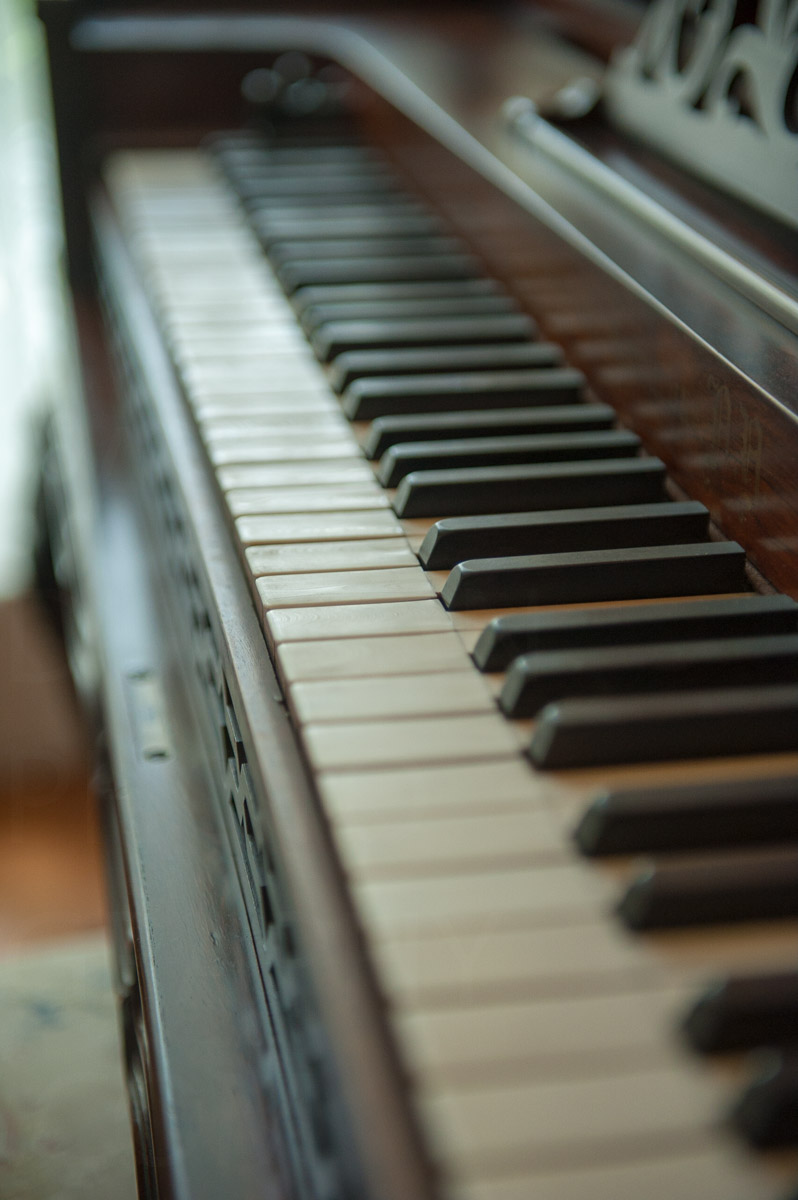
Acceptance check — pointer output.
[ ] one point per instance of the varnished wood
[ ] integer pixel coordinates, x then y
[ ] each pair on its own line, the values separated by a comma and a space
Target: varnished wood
51, 873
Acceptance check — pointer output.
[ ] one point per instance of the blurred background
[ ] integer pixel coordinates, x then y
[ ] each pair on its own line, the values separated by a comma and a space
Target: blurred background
63, 1119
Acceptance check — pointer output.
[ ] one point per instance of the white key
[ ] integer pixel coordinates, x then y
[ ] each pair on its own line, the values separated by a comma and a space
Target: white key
343, 588
503, 965
265, 450
318, 527
537, 895
292, 407
279, 424
357, 620
441, 694
538, 1040
291, 475
711, 1174
352, 658
364, 745
252, 501
565, 1124
273, 372
459, 843
332, 556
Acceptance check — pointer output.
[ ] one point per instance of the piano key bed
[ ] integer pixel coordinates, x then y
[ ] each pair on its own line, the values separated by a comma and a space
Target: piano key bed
512, 659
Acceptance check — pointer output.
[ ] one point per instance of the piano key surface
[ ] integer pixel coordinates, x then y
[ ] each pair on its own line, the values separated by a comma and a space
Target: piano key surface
488, 930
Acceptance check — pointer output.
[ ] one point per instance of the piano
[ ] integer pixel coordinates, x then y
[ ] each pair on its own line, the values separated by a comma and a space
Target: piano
422, 520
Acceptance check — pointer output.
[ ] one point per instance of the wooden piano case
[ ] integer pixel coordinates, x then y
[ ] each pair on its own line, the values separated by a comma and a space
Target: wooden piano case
258, 1056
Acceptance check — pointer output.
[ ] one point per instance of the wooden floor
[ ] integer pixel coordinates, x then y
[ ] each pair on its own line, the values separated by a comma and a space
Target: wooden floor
64, 1123
51, 874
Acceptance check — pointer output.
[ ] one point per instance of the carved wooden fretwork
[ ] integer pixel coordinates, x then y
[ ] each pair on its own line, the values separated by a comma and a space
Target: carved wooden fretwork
714, 83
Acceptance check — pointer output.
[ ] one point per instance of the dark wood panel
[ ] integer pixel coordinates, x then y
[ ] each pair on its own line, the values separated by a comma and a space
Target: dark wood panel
725, 440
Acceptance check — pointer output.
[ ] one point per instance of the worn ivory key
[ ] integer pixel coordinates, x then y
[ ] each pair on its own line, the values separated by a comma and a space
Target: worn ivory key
307, 557
255, 501
320, 473
279, 425
357, 620
711, 1172
351, 746
458, 843
366, 797
264, 449
353, 658
441, 694
537, 1040
317, 527
537, 895
344, 587
500, 966
566, 1123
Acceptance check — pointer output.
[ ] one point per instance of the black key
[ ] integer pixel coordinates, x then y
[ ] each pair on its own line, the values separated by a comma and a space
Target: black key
384, 247
366, 399
285, 184
586, 733
690, 817
313, 211
456, 539
331, 188
258, 172
342, 202
744, 1011
738, 616
234, 141
252, 164
396, 310
352, 293
637, 573
371, 364
502, 422
313, 227
405, 457
535, 679
762, 886
516, 489
307, 272
341, 336
766, 1113
337, 135
237, 155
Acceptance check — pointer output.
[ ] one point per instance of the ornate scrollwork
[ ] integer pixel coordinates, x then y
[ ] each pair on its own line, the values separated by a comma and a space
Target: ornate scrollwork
714, 83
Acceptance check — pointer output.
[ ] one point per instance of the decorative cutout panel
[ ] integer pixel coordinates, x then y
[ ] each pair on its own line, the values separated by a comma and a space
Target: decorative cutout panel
714, 84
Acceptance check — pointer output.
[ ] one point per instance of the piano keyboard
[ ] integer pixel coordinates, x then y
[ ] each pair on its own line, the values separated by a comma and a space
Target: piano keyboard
538, 1030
